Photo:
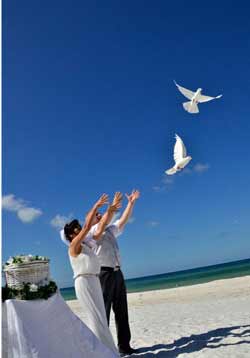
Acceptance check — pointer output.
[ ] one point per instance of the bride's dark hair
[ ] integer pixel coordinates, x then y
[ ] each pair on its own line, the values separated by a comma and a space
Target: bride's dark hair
70, 227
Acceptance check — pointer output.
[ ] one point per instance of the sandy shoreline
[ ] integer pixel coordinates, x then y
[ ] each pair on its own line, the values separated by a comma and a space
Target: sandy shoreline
205, 320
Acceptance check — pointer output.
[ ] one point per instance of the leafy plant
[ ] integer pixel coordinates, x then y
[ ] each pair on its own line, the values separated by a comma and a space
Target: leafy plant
26, 293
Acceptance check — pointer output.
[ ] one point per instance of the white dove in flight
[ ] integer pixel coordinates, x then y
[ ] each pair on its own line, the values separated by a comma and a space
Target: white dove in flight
180, 157
195, 98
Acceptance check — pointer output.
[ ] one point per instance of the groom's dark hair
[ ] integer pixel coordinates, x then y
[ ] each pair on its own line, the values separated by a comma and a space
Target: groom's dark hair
69, 228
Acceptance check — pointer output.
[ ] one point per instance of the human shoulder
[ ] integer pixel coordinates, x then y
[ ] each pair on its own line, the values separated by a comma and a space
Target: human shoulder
73, 252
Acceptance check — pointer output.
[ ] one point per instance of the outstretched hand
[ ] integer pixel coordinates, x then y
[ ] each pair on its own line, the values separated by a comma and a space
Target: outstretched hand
104, 199
117, 201
133, 196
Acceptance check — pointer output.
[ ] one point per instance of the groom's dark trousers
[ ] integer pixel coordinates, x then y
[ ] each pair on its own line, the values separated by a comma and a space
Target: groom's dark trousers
115, 295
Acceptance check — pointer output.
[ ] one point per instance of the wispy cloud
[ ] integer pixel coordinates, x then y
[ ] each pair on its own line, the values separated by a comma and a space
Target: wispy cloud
153, 223
166, 184
186, 171
10, 203
197, 168
59, 221
157, 188
25, 213
168, 181
131, 220
200, 168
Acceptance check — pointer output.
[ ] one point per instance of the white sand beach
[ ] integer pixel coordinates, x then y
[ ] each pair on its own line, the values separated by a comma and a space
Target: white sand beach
206, 320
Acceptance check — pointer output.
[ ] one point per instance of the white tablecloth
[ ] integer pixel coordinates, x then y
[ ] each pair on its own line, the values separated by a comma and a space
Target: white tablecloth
47, 329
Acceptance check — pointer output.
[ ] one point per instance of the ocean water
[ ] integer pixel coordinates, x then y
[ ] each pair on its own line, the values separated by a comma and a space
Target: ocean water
179, 278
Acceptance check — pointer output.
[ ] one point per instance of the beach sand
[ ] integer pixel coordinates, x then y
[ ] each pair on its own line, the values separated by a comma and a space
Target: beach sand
206, 320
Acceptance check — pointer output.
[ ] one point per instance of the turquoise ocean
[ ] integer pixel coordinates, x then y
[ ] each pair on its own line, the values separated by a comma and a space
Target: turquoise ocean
179, 278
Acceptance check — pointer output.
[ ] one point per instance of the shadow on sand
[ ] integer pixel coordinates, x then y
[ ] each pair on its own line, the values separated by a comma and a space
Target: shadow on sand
196, 342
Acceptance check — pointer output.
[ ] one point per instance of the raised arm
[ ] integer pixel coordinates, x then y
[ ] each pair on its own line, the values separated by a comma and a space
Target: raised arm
75, 244
108, 215
129, 208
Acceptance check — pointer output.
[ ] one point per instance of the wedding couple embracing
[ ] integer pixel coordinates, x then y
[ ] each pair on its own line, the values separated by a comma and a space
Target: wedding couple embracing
95, 260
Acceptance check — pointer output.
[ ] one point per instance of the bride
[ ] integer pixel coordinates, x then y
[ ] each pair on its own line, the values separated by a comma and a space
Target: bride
86, 268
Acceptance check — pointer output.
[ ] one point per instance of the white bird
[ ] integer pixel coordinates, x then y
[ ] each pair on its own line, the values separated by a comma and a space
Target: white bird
180, 157
195, 98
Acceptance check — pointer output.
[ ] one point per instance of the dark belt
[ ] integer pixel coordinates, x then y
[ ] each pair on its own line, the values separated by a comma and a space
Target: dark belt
106, 268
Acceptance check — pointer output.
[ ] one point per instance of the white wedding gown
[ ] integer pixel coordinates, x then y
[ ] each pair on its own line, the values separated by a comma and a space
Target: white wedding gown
86, 270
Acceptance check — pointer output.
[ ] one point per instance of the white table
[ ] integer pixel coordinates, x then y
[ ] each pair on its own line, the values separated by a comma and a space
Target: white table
47, 329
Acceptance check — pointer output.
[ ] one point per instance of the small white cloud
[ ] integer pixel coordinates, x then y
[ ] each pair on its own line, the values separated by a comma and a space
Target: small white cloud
11, 204
185, 171
167, 180
157, 188
131, 220
59, 221
27, 215
153, 223
166, 185
200, 168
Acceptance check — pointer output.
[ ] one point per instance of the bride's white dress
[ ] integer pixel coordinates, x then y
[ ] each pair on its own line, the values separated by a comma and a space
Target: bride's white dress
86, 270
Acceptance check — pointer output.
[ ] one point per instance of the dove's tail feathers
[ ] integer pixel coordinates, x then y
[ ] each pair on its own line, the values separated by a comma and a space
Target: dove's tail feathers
191, 107
171, 171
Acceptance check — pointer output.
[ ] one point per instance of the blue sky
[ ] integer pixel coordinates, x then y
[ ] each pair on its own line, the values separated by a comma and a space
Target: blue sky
89, 106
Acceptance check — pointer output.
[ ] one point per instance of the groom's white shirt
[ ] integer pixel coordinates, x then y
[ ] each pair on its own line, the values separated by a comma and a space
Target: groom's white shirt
108, 254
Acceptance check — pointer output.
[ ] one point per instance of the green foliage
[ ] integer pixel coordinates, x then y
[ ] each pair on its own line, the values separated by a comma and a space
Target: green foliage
43, 292
17, 260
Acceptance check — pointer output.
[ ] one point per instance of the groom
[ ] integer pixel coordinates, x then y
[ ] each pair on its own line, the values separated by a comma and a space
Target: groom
111, 276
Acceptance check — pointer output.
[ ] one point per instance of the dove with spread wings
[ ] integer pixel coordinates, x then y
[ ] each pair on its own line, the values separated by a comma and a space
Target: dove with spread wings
195, 98
180, 157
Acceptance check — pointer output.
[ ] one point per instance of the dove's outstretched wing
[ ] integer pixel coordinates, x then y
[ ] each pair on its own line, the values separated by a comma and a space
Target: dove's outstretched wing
187, 93
202, 99
171, 171
180, 151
